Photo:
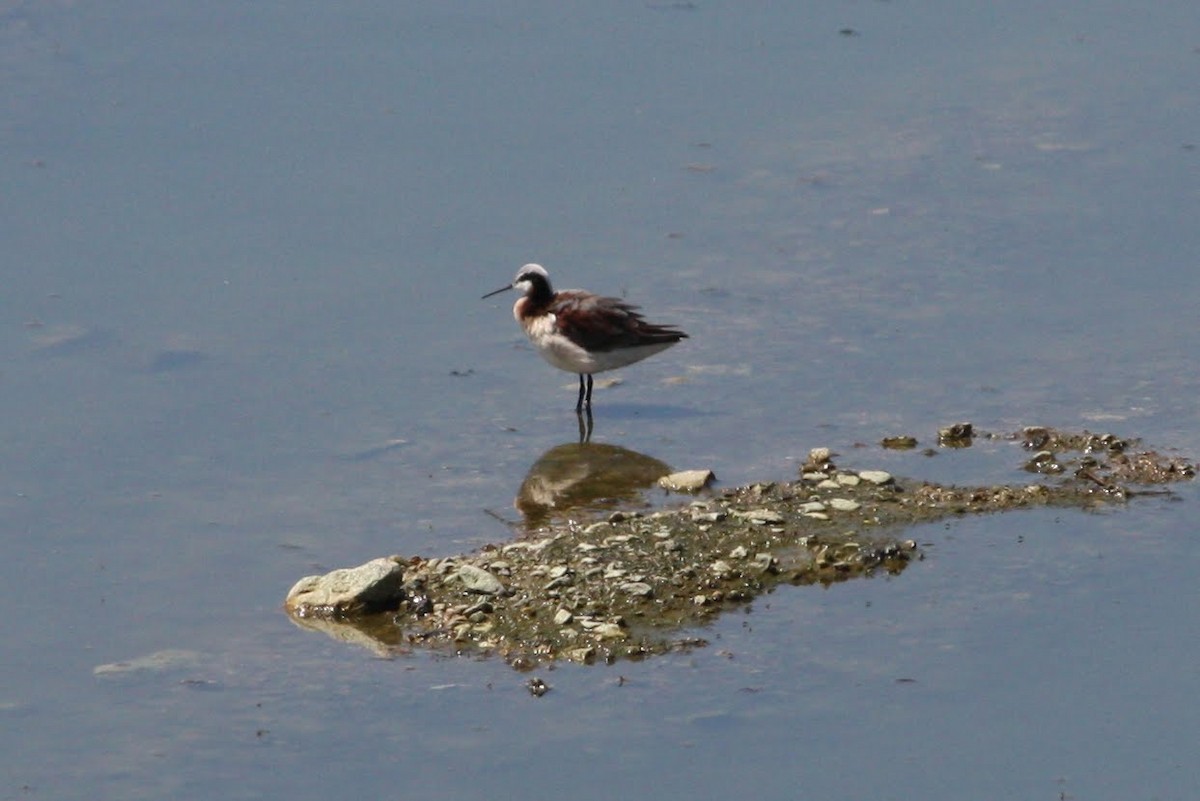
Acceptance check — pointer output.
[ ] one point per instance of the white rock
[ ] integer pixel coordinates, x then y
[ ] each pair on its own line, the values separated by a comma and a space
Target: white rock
476, 579
687, 480
370, 587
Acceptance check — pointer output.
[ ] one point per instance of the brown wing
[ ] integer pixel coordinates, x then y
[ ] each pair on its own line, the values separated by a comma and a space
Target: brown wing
599, 323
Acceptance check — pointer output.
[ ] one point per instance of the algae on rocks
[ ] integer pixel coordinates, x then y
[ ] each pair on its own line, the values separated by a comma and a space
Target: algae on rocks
637, 584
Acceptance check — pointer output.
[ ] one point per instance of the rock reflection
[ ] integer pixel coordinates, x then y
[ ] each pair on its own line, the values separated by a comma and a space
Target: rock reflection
584, 476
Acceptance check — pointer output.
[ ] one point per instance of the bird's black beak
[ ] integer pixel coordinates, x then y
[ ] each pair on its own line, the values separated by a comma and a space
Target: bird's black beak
497, 292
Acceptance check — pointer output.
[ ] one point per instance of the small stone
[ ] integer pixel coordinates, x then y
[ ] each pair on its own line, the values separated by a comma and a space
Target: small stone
638, 588
597, 527
476, 579
844, 505
903, 442
610, 631
812, 506
721, 568
583, 655
819, 455
739, 552
959, 434
848, 480
687, 480
766, 562
877, 477
761, 516
563, 616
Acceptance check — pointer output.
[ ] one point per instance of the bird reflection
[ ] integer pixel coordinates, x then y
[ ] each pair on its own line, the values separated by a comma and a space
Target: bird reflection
584, 476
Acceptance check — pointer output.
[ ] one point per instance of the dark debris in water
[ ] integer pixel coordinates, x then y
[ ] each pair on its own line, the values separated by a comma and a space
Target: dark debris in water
632, 584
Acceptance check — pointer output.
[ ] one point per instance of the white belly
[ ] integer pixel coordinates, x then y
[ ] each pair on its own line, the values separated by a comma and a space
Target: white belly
566, 355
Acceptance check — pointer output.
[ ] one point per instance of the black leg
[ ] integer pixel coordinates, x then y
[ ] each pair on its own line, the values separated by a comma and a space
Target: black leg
588, 402
585, 426
579, 403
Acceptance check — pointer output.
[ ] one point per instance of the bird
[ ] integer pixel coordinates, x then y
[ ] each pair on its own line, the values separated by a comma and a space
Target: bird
581, 332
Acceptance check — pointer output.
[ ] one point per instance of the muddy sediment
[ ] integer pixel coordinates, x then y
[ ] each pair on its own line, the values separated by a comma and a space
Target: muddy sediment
635, 584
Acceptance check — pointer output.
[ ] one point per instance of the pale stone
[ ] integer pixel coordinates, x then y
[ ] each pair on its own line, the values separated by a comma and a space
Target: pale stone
368, 588
687, 480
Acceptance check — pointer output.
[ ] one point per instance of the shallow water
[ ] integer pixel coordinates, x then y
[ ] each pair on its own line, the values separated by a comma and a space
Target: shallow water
246, 249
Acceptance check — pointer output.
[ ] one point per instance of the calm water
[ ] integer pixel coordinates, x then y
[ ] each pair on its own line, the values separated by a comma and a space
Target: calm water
245, 245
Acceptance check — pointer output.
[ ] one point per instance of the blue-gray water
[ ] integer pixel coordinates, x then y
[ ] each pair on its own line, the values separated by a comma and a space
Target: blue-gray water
243, 251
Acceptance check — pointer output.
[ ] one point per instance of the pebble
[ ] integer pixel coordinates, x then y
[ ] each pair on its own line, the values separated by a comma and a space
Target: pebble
877, 477
563, 616
610, 631
848, 480
739, 552
476, 579
638, 588
819, 455
687, 480
812, 506
844, 505
761, 516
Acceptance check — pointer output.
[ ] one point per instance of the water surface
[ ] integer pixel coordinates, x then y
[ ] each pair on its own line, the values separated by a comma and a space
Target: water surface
245, 250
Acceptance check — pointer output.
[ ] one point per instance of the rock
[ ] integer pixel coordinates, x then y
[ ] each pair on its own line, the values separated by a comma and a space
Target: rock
687, 480
638, 588
904, 442
609, 631
157, 662
584, 655
476, 579
376, 586
563, 616
878, 477
957, 435
761, 516
844, 505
